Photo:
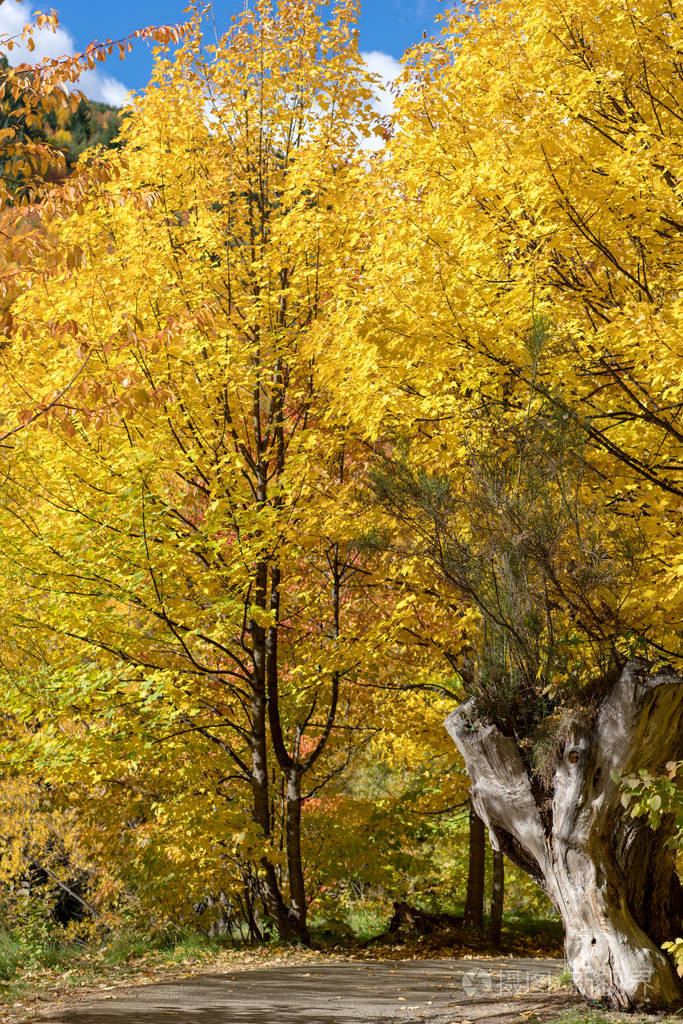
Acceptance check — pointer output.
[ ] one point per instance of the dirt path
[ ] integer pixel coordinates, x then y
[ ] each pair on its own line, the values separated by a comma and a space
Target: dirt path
340, 992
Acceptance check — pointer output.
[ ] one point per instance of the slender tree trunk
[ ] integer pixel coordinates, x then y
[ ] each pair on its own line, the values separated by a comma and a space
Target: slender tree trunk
474, 904
272, 896
297, 890
497, 896
293, 924
611, 877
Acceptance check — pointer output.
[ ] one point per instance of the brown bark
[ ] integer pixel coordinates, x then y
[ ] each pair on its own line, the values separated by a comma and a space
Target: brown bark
272, 897
497, 896
263, 713
611, 877
476, 872
297, 889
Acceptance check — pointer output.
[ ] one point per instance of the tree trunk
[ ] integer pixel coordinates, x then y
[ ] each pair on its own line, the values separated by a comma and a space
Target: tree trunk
270, 889
497, 895
297, 889
474, 904
272, 898
611, 877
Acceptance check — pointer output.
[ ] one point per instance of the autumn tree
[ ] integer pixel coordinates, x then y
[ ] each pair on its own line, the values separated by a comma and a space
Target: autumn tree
520, 304
41, 834
185, 526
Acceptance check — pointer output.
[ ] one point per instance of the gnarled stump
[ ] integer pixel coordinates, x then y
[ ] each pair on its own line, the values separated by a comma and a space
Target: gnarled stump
612, 878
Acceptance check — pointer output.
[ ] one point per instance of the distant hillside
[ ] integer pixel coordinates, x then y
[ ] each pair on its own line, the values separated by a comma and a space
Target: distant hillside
92, 124
70, 132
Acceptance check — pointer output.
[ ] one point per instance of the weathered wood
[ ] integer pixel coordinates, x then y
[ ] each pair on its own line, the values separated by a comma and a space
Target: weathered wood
611, 877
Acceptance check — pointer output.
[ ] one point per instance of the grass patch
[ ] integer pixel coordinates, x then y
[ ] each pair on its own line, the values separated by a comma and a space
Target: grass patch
563, 980
527, 925
33, 951
192, 944
173, 946
366, 922
10, 956
29, 953
124, 947
582, 1015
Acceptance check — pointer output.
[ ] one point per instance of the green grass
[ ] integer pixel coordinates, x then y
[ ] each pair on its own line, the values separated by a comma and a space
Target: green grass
125, 946
563, 980
582, 1015
525, 924
20, 952
366, 922
32, 949
190, 944
131, 945
360, 921
10, 956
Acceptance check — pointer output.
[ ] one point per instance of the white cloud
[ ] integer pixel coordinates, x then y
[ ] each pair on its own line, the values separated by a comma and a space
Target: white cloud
14, 14
103, 88
388, 68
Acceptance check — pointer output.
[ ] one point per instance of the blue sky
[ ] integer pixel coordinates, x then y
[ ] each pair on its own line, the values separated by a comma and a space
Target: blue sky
387, 27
